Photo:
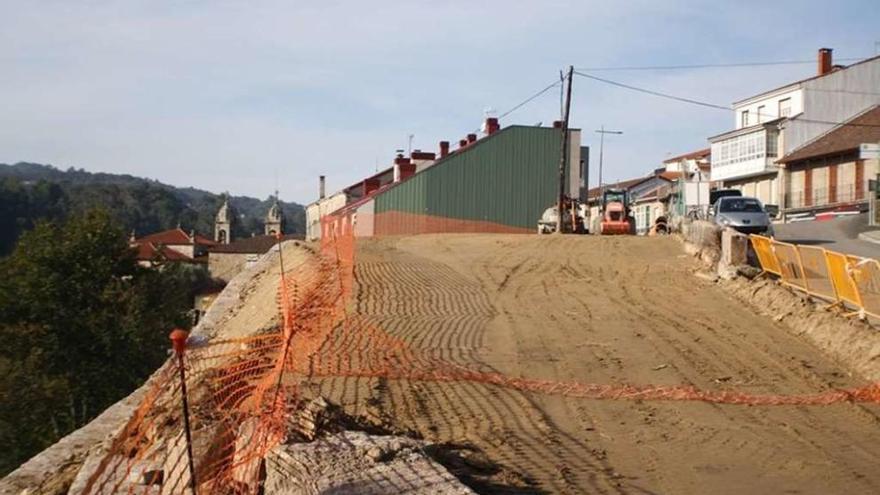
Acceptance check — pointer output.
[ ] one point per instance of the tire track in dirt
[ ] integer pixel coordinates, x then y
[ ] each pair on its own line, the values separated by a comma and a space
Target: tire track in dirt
510, 419
602, 310
713, 362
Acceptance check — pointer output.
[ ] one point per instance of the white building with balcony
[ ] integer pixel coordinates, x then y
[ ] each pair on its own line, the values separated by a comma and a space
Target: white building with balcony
770, 125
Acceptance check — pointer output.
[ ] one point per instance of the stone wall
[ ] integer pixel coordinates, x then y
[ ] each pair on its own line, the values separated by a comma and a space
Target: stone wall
225, 266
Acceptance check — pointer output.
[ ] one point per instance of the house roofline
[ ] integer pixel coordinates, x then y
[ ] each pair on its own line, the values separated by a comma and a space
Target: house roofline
798, 84
749, 129
692, 154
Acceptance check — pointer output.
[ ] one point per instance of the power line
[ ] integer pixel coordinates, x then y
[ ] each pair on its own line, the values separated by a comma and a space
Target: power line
712, 105
710, 66
529, 99
652, 92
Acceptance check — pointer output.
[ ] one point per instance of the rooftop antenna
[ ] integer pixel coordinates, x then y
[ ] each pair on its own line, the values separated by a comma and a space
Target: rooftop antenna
409, 146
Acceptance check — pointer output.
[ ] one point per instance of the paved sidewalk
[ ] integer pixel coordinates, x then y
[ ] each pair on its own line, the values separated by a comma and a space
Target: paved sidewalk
870, 236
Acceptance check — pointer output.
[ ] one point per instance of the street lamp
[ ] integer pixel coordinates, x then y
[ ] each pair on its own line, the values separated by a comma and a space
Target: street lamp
601, 131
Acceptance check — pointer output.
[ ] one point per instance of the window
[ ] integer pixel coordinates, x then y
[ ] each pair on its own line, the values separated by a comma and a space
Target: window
744, 205
745, 118
785, 107
772, 141
746, 147
762, 113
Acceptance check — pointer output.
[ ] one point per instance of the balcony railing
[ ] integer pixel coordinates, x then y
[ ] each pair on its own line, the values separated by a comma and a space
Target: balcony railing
847, 193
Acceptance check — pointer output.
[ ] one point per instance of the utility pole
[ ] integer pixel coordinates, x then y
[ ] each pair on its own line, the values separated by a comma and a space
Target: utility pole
601, 131
563, 160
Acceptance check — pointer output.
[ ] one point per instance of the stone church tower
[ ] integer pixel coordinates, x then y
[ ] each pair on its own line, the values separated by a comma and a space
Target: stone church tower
223, 222
274, 218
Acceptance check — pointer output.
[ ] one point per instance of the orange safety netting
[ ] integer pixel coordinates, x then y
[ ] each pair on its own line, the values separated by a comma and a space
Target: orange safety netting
243, 393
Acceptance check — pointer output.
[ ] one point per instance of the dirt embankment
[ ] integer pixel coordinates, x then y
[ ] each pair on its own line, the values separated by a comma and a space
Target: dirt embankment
603, 310
246, 306
855, 344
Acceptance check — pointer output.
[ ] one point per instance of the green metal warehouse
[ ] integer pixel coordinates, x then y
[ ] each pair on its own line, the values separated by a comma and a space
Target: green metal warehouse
502, 182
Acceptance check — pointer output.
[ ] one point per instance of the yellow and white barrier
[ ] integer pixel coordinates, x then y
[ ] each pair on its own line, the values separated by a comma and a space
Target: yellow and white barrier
839, 278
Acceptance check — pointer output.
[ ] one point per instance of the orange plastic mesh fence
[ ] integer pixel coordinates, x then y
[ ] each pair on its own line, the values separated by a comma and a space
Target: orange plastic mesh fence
764, 250
244, 393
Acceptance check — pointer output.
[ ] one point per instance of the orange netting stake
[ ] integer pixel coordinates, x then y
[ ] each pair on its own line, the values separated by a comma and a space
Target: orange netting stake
178, 339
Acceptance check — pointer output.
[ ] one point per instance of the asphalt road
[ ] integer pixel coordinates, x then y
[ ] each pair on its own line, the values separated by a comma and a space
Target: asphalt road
839, 234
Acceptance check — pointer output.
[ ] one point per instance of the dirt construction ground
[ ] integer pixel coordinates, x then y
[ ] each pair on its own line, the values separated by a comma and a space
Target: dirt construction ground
609, 310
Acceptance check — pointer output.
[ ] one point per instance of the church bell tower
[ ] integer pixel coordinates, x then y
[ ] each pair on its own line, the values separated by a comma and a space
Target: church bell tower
274, 218
223, 222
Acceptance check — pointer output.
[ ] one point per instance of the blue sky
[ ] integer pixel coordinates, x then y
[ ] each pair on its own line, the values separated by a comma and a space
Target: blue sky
225, 95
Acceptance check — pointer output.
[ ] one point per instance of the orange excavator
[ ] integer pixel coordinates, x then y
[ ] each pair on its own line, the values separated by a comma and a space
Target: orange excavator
616, 216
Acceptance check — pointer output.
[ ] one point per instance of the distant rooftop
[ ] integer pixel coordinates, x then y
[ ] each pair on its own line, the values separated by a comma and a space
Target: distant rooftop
176, 236
863, 128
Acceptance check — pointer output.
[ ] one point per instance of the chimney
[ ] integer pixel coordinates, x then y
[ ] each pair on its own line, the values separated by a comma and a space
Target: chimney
400, 164
403, 171
492, 125
444, 148
321, 187
471, 138
422, 156
824, 61
557, 124
371, 184
462, 143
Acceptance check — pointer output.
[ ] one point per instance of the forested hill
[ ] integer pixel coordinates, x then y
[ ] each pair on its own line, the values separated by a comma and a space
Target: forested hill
30, 192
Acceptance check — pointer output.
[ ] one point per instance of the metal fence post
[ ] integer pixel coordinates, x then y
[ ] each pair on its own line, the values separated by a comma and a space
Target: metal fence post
178, 339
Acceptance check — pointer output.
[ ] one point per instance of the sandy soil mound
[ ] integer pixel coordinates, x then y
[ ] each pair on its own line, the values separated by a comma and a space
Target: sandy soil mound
853, 343
603, 310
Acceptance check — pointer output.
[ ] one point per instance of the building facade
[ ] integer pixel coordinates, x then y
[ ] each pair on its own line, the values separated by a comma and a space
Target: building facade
225, 261
832, 172
772, 124
694, 166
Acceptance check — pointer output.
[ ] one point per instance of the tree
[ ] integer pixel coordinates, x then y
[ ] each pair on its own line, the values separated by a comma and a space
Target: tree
82, 325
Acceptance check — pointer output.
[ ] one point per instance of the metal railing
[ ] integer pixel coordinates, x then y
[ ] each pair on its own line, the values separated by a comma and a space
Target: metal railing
823, 196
